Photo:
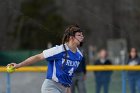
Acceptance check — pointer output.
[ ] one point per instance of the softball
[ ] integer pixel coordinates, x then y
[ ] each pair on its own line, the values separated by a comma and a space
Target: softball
10, 69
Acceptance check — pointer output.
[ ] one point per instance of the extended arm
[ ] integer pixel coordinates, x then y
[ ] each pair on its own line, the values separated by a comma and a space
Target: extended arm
29, 61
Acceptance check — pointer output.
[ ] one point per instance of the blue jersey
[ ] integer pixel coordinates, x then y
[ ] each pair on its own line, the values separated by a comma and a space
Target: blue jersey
60, 70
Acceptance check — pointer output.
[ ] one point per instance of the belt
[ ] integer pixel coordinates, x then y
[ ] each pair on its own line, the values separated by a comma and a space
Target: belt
65, 85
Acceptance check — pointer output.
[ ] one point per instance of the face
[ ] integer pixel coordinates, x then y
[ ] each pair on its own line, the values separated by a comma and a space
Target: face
133, 53
103, 54
78, 37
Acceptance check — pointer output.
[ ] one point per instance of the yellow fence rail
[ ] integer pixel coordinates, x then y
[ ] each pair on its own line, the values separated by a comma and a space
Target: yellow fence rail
88, 67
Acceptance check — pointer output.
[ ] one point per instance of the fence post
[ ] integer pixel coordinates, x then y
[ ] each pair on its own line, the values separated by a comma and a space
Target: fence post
122, 53
123, 81
8, 87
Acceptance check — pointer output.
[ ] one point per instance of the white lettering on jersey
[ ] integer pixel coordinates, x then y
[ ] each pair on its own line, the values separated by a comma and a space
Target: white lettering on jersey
71, 71
71, 63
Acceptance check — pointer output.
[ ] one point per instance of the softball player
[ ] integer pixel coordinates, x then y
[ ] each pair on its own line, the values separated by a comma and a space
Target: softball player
62, 61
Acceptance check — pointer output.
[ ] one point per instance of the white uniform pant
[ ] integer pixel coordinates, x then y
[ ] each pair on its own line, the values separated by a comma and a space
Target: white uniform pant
50, 86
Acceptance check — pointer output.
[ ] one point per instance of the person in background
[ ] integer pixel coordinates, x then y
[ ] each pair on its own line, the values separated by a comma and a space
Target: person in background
78, 80
102, 78
133, 76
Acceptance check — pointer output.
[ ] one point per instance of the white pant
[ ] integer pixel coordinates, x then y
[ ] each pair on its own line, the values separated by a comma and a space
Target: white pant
50, 86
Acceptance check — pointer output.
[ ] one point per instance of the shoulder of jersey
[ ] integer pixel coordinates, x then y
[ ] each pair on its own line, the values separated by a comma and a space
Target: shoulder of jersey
79, 52
60, 48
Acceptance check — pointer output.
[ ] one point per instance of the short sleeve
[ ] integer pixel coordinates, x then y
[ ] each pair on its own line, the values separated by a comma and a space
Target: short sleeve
52, 53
